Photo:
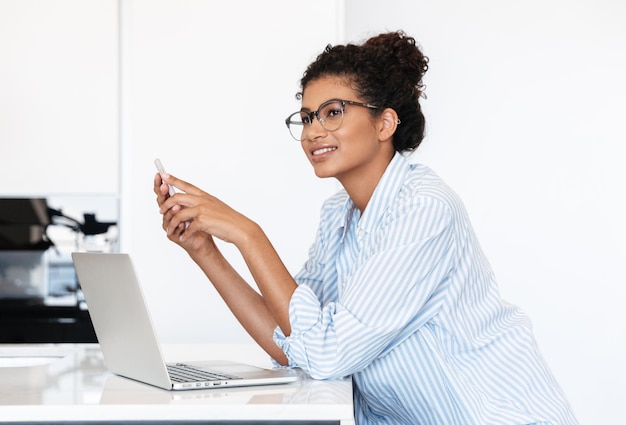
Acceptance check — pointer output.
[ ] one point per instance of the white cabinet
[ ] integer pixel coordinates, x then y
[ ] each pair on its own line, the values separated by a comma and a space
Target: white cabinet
59, 91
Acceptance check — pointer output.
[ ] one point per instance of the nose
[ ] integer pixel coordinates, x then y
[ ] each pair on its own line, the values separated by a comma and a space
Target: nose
314, 130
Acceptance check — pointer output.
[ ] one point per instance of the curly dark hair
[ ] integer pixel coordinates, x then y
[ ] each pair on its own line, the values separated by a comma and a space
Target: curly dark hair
386, 70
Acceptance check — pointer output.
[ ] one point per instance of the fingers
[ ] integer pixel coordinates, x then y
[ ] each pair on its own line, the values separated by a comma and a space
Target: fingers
190, 210
173, 226
161, 189
183, 188
181, 185
171, 207
174, 219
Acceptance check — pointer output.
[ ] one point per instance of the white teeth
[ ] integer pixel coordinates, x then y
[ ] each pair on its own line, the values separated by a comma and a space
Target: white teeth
323, 150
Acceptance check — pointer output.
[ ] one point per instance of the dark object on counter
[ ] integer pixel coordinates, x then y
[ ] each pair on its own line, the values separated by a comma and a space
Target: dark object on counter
89, 227
23, 323
23, 223
25, 274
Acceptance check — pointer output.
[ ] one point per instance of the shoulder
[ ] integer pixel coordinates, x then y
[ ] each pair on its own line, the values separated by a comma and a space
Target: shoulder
426, 194
423, 183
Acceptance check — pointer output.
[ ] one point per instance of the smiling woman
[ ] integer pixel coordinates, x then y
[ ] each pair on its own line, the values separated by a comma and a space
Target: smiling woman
357, 147
396, 291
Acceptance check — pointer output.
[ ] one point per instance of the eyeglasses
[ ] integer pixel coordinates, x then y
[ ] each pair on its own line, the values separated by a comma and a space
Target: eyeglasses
329, 115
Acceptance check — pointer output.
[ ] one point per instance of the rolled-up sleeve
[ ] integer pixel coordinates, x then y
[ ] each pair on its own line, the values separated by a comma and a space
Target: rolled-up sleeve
305, 316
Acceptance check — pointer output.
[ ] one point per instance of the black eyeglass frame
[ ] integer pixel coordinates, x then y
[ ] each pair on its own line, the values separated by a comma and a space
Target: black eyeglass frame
315, 114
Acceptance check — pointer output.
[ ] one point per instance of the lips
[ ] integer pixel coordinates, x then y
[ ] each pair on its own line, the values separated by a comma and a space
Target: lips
322, 151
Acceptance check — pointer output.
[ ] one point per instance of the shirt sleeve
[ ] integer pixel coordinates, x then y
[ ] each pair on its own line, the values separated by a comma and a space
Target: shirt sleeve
396, 288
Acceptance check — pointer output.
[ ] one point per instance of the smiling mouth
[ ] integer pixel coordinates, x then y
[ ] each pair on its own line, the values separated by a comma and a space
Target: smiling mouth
322, 151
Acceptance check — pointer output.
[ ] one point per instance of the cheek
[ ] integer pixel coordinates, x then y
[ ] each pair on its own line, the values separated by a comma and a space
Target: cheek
356, 140
357, 128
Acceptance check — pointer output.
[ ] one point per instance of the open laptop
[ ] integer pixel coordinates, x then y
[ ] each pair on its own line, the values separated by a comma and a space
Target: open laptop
128, 341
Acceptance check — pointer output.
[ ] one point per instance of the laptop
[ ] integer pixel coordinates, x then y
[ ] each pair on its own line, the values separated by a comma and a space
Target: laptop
128, 340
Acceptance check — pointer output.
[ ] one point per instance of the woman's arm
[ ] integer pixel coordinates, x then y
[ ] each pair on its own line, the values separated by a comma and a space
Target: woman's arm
207, 216
248, 306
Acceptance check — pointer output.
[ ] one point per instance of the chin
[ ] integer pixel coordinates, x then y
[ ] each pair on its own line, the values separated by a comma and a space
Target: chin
322, 173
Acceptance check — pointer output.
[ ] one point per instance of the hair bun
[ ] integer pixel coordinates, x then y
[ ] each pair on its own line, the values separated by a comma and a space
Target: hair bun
399, 53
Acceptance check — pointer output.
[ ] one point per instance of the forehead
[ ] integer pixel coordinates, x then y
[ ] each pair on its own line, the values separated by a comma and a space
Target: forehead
320, 90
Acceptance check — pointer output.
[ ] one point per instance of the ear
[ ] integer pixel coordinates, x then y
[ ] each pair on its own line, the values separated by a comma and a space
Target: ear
388, 124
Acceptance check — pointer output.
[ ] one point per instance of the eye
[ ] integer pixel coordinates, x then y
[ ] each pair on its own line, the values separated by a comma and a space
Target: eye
331, 111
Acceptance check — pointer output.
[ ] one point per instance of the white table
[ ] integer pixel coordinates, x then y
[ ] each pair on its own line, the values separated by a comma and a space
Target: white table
63, 383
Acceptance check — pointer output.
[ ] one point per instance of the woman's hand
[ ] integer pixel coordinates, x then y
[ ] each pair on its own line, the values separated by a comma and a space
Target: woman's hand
192, 216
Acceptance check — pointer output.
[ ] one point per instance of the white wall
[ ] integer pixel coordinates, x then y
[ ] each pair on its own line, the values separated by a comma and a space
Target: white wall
59, 97
525, 115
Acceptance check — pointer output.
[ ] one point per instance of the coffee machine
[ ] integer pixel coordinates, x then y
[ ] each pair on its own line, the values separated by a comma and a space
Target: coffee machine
40, 297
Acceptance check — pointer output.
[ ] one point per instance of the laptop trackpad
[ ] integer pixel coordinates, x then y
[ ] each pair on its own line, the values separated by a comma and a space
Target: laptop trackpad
226, 367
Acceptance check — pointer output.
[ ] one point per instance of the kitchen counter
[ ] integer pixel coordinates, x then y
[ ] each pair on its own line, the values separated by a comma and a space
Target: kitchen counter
65, 383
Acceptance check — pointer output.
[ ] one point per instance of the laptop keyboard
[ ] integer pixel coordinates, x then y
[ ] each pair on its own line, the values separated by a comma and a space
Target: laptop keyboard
184, 373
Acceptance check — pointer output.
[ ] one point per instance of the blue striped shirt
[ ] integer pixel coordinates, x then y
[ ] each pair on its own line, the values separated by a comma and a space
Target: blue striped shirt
403, 299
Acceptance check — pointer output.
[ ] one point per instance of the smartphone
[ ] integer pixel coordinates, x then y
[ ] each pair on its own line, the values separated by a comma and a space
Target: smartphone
161, 170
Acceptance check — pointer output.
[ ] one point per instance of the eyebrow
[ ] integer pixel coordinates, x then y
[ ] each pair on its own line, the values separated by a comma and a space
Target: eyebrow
303, 109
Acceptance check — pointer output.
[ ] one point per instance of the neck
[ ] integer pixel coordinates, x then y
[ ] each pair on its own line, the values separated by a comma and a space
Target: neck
360, 187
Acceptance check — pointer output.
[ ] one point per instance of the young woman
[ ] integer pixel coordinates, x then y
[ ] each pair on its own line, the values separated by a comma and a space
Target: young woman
396, 291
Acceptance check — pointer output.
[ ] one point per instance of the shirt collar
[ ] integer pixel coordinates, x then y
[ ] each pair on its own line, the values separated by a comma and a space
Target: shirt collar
385, 192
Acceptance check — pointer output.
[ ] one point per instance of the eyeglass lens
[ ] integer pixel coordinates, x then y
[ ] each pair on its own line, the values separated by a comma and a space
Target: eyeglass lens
329, 114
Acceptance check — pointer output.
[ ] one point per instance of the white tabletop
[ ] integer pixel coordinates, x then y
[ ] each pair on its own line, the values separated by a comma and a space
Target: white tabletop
65, 382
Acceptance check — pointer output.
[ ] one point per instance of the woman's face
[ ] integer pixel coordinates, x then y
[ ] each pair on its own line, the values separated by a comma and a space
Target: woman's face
349, 152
